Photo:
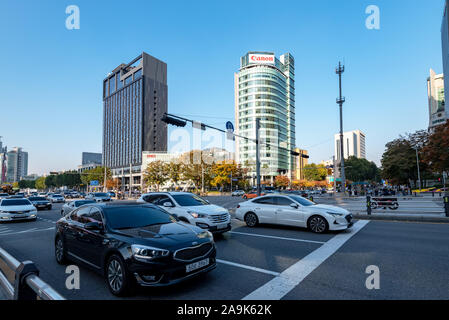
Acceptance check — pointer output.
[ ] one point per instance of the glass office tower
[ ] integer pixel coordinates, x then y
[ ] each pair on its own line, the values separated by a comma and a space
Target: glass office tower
134, 101
265, 89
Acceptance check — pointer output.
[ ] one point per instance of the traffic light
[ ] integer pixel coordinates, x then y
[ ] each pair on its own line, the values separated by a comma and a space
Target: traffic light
173, 121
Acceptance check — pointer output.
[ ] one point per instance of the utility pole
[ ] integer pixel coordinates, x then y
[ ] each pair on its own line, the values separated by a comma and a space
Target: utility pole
130, 179
340, 100
104, 182
202, 178
417, 163
257, 156
333, 172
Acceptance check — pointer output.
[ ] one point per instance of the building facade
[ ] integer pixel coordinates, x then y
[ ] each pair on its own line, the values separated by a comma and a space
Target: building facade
91, 157
353, 145
435, 94
301, 162
134, 101
265, 89
445, 52
3, 163
17, 165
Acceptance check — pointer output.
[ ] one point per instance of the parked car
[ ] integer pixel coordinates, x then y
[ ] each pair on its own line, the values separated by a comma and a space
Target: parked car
4, 195
16, 196
72, 205
252, 195
55, 198
98, 196
40, 203
17, 209
74, 195
190, 208
133, 244
293, 210
237, 193
82, 195
112, 194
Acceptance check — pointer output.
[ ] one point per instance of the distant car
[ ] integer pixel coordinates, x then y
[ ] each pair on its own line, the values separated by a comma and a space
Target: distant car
237, 193
17, 209
72, 205
251, 195
99, 196
40, 203
4, 195
74, 194
55, 198
190, 208
42, 194
22, 194
112, 194
16, 196
293, 210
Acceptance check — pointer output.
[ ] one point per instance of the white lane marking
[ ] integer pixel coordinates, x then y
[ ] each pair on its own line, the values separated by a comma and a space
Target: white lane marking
274, 237
248, 267
278, 287
27, 231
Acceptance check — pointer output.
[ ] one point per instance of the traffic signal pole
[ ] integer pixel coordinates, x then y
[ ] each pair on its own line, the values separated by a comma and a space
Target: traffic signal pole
340, 69
257, 156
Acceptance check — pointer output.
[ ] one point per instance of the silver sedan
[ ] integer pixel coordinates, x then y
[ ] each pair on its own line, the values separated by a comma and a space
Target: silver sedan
72, 205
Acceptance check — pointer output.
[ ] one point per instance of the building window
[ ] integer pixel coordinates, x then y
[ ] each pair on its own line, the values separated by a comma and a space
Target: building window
128, 80
137, 74
112, 84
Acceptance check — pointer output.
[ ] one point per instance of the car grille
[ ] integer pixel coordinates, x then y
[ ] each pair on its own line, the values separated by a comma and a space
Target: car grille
193, 253
218, 218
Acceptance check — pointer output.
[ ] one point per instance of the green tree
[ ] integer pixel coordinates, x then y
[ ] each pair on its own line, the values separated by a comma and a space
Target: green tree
156, 173
313, 172
97, 174
40, 183
359, 169
50, 181
436, 152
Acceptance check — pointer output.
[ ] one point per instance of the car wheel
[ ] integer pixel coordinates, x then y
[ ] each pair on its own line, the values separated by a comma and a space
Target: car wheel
251, 219
318, 224
117, 277
60, 251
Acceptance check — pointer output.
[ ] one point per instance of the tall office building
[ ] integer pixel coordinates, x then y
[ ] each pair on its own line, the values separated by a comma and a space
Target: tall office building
265, 89
445, 55
3, 163
134, 101
353, 145
301, 162
435, 94
17, 165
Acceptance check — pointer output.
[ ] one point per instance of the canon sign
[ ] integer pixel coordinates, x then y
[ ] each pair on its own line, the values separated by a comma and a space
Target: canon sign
261, 58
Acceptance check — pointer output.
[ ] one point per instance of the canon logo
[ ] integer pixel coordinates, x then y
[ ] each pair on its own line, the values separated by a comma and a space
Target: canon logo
261, 58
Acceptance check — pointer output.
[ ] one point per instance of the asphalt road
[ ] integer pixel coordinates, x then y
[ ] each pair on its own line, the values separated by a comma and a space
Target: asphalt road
275, 262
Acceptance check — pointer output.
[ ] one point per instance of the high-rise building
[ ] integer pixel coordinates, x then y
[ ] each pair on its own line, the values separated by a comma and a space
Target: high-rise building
301, 162
265, 89
353, 145
435, 94
134, 101
17, 164
445, 53
3, 163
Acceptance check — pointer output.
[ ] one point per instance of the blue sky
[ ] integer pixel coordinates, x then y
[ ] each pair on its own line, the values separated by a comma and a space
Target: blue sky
50, 96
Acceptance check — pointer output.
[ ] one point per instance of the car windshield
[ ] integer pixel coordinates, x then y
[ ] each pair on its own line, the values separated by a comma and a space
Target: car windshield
4, 194
129, 217
189, 200
18, 202
302, 201
101, 194
83, 202
37, 199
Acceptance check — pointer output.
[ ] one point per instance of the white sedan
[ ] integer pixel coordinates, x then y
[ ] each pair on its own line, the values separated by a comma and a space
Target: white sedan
17, 209
293, 210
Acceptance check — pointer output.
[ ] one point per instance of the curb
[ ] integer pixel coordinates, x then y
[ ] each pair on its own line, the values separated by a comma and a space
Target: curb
401, 218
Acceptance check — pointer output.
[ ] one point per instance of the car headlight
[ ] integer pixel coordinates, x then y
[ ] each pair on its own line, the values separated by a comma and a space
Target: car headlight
196, 215
145, 253
205, 234
335, 214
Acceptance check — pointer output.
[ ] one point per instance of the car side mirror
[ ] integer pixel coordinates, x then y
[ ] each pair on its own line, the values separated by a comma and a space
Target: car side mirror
168, 204
294, 205
94, 226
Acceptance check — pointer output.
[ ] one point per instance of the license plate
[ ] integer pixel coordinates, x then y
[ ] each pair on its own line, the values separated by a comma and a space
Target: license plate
197, 265
222, 226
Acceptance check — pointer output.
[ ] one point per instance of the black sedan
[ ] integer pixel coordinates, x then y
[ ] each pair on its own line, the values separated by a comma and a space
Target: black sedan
131, 244
40, 203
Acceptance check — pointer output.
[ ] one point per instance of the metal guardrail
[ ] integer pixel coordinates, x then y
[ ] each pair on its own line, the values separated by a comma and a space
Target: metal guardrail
26, 284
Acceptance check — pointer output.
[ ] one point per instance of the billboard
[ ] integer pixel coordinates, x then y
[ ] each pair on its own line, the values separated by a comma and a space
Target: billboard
261, 58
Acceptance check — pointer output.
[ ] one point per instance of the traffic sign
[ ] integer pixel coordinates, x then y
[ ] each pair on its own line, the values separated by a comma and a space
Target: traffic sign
94, 183
229, 126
